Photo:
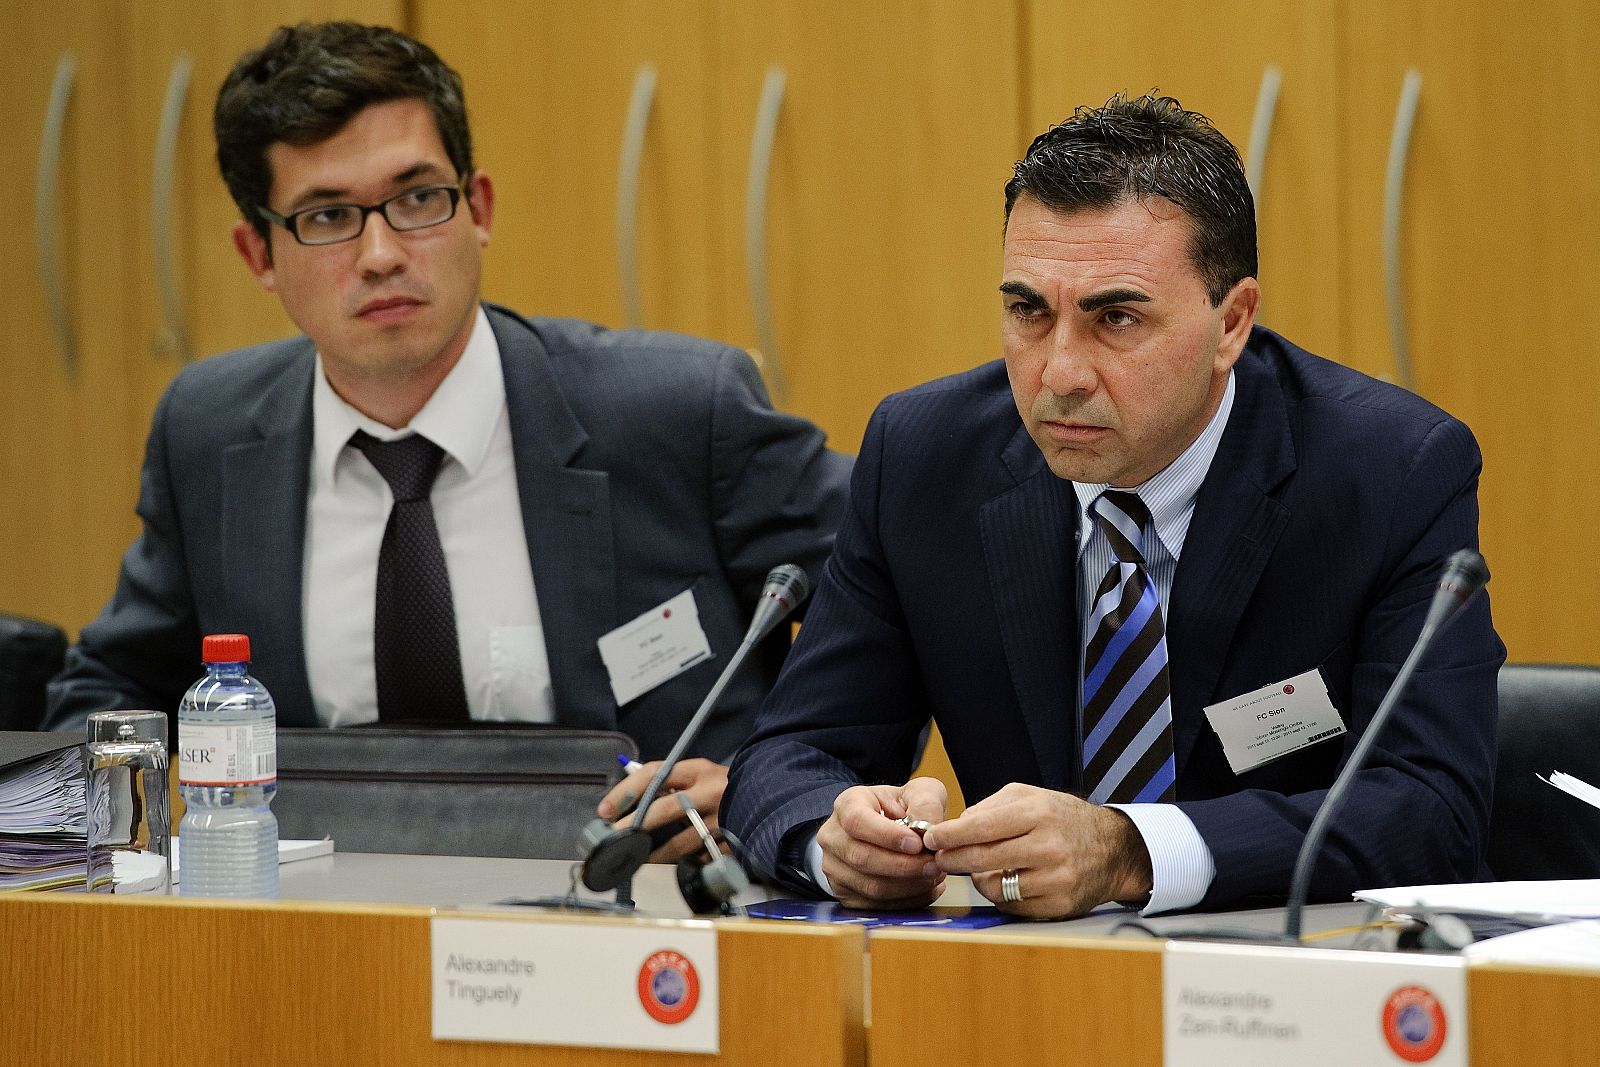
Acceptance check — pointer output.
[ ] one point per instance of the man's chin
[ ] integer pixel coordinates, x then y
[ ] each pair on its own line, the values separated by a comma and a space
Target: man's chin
1078, 465
380, 361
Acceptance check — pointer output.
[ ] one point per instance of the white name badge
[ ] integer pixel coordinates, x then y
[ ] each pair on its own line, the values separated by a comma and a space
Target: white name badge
1250, 1006
1274, 721
602, 985
656, 647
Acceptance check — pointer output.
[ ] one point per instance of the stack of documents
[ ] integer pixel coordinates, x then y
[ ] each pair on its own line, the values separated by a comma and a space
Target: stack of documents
1556, 900
1574, 944
42, 812
1572, 784
1562, 900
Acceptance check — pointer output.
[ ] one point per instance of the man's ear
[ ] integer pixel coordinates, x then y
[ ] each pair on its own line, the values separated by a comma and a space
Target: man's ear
256, 253
480, 201
1238, 311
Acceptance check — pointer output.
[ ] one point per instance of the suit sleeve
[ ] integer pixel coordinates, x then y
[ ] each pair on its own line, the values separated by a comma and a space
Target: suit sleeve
778, 491
849, 704
1434, 765
140, 652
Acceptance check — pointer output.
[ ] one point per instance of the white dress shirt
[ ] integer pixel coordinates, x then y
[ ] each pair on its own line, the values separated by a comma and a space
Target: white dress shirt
478, 512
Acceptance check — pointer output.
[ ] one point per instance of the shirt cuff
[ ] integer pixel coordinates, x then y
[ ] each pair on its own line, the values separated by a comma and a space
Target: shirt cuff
1181, 866
813, 866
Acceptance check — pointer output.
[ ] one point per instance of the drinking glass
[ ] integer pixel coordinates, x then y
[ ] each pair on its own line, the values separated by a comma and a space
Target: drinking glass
129, 824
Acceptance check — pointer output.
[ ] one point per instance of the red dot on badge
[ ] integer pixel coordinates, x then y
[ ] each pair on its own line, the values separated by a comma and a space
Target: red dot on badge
666, 613
1288, 690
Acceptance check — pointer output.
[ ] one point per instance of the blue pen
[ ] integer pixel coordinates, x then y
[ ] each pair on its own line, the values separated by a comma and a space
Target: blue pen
629, 767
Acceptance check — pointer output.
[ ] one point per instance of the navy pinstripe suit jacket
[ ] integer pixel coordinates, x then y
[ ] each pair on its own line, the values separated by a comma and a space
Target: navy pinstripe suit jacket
1317, 541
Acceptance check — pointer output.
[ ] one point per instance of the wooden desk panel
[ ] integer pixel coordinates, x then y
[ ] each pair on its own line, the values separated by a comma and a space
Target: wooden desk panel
164, 981
1521, 1017
940, 997
1043, 998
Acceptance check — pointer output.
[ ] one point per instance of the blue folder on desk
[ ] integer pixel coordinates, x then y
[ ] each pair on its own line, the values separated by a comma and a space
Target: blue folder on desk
950, 917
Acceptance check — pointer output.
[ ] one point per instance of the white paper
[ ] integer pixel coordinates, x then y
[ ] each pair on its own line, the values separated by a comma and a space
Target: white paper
1572, 898
288, 851
1576, 786
1266, 1006
646, 986
1574, 944
655, 647
139, 872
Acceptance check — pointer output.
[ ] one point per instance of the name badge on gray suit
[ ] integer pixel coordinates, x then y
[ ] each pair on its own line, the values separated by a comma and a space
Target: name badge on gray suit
654, 648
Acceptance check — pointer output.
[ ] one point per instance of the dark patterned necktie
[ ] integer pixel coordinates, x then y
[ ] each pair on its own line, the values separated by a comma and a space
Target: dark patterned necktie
1127, 696
415, 651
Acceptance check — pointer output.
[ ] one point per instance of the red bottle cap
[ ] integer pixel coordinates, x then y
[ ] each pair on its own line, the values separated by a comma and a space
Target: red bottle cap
225, 648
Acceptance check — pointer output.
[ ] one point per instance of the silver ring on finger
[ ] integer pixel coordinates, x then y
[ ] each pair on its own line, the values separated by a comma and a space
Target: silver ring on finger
1010, 890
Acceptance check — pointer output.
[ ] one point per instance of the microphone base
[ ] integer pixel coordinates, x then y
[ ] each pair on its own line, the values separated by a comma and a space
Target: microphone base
615, 860
570, 904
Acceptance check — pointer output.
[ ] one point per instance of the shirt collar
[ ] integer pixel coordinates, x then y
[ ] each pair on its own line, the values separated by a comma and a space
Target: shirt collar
1169, 495
460, 417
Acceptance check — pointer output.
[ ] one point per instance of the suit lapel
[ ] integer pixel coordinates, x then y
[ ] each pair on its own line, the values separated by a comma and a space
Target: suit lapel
566, 515
1235, 526
265, 482
1029, 542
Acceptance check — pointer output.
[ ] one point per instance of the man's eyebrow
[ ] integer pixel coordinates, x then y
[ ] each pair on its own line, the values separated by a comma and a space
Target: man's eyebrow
321, 194
1024, 291
422, 169
328, 194
1112, 296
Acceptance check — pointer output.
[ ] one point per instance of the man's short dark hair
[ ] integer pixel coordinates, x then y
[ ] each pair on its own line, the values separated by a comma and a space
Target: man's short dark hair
1142, 149
309, 80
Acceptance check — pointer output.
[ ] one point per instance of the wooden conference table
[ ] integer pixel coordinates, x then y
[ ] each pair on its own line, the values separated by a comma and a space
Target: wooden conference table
337, 972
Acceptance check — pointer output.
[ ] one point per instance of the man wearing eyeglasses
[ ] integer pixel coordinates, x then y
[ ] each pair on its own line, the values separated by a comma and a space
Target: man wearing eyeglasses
428, 509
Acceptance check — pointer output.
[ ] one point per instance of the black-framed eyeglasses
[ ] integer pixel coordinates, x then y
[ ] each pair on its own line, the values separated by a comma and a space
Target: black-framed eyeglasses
328, 224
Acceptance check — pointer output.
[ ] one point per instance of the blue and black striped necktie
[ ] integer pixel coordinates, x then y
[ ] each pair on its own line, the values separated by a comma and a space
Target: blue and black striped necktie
1127, 695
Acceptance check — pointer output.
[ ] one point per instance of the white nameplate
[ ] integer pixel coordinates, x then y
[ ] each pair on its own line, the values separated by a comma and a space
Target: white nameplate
655, 647
601, 985
1275, 720
1257, 1006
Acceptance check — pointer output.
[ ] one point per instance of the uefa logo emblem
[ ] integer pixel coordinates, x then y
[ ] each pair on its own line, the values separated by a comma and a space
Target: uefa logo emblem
669, 988
1413, 1024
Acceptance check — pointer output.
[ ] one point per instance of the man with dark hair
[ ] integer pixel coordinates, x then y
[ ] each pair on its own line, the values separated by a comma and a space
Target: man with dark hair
431, 509
1151, 574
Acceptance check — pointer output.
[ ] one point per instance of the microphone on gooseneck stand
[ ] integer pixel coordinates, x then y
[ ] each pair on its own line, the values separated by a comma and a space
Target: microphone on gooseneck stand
612, 857
1464, 574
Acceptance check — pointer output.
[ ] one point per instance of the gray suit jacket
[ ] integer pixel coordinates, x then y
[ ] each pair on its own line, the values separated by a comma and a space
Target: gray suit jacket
647, 464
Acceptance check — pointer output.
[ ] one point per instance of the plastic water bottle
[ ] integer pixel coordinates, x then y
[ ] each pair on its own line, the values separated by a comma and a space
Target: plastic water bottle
228, 773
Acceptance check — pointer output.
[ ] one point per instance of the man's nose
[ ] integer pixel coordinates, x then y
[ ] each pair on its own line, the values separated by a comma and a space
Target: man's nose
1069, 367
381, 250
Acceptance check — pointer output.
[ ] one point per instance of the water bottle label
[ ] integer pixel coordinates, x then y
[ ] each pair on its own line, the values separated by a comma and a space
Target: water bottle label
233, 754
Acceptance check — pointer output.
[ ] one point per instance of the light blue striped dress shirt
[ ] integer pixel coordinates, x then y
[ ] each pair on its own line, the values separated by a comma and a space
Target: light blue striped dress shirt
1179, 859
